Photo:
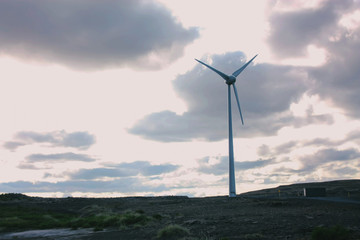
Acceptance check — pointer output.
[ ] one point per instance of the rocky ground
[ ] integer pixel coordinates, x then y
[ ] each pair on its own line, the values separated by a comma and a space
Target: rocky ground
257, 215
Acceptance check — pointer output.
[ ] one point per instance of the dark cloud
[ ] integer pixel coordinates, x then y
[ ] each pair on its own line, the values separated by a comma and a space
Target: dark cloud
316, 119
59, 157
337, 80
30, 166
246, 165
343, 172
291, 32
79, 140
353, 137
31, 137
126, 185
265, 91
11, 145
263, 150
328, 155
312, 162
321, 142
123, 170
222, 166
90, 34
285, 148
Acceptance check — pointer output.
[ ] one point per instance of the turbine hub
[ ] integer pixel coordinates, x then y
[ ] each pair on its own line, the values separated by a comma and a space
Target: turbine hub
231, 80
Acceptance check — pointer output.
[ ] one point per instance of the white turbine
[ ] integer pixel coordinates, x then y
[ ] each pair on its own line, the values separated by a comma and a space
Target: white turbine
230, 80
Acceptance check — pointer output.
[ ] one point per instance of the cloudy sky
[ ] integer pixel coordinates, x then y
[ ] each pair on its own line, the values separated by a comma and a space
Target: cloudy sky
104, 98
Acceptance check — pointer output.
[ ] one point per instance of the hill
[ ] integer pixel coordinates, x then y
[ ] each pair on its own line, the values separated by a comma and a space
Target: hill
249, 216
339, 188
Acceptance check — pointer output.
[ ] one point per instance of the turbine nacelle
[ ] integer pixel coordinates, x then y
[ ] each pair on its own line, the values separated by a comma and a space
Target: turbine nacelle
230, 80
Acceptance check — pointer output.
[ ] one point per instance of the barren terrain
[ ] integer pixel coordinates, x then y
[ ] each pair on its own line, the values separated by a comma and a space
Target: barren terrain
265, 214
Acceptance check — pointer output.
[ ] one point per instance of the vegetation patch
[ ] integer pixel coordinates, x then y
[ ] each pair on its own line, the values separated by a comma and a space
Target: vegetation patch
330, 233
173, 231
14, 218
134, 218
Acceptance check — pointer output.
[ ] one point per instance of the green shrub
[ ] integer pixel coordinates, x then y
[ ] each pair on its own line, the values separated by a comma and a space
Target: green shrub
99, 221
132, 218
173, 231
331, 233
111, 221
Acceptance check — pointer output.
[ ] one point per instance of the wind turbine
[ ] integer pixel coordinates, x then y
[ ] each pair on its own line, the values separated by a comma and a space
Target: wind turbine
230, 80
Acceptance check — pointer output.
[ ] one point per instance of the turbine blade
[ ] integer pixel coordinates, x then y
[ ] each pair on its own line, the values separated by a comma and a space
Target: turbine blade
223, 75
238, 103
237, 72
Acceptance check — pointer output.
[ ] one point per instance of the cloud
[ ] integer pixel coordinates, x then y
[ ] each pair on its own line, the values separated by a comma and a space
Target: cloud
222, 165
322, 142
12, 145
265, 91
96, 173
263, 150
30, 166
291, 32
328, 155
350, 137
311, 162
354, 135
123, 170
345, 172
125, 178
91, 34
336, 80
79, 140
126, 185
59, 157
285, 148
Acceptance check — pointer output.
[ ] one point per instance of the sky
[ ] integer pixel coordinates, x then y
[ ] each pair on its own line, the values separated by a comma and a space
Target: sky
105, 99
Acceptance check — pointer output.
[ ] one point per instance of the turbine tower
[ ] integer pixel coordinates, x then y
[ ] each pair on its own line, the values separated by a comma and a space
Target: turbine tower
230, 80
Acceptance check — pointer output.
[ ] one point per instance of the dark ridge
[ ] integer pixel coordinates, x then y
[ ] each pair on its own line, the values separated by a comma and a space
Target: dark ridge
337, 188
13, 196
